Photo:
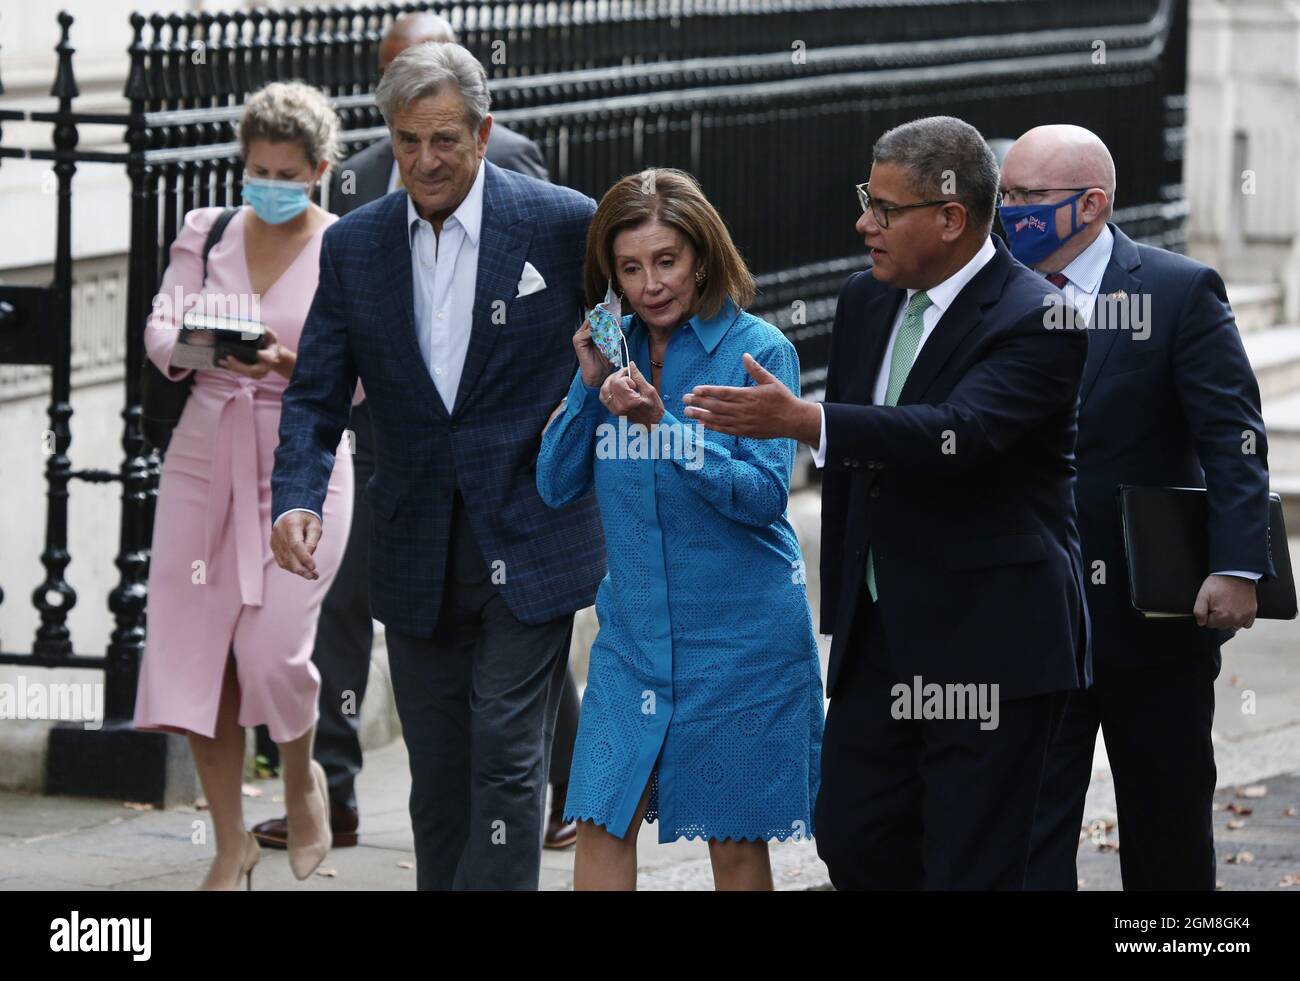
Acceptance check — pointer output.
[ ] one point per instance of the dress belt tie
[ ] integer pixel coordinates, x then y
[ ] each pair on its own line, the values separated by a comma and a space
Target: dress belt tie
234, 479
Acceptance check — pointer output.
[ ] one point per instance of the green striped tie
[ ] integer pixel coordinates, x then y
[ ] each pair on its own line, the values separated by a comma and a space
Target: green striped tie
900, 363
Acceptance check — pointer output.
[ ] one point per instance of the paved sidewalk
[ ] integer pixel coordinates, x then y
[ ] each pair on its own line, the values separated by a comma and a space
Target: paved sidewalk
74, 843
1256, 744
71, 843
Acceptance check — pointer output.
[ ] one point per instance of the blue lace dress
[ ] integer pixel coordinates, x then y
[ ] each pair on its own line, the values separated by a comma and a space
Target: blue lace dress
705, 673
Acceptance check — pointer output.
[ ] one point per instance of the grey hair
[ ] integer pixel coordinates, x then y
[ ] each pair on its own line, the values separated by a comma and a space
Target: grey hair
430, 69
939, 151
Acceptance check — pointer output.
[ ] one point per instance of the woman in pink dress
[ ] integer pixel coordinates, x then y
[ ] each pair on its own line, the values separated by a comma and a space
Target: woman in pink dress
230, 634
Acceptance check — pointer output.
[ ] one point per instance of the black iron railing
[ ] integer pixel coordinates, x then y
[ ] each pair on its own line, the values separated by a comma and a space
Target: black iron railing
773, 104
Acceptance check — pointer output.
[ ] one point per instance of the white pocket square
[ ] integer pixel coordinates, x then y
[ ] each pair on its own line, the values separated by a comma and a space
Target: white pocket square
531, 281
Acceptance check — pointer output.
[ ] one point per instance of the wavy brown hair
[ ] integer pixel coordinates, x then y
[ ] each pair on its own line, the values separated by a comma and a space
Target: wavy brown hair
673, 197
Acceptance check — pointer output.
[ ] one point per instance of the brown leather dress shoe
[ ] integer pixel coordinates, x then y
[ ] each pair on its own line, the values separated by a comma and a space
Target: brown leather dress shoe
559, 833
343, 824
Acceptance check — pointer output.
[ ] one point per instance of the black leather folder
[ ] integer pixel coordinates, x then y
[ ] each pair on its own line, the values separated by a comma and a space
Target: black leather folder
1166, 545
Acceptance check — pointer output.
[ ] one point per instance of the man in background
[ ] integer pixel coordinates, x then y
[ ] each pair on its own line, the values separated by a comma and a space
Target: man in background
1167, 399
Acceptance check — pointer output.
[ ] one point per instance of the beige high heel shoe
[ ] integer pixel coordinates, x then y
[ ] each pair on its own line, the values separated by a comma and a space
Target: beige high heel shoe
251, 855
304, 858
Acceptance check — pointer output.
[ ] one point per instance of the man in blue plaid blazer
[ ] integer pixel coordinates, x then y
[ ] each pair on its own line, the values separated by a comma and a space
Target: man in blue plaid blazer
454, 300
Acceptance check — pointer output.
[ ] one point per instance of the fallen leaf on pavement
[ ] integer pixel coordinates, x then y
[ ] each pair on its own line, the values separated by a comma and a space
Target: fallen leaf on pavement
1241, 858
1254, 791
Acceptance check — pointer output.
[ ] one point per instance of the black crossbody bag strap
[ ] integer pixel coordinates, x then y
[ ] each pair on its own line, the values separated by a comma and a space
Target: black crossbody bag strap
161, 399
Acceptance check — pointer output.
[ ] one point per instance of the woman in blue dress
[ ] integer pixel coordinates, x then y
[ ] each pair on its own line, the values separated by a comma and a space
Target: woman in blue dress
703, 706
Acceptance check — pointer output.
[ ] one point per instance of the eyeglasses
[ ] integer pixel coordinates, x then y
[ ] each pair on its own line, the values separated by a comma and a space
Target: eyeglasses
1030, 195
881, 212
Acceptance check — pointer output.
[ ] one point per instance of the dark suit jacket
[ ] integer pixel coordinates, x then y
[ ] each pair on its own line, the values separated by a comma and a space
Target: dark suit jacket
519, 366
976, 551
372, 167
1167, 410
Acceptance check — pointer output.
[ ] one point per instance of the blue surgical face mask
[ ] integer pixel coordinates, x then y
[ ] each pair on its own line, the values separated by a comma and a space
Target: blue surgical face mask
276, 202
1031, 228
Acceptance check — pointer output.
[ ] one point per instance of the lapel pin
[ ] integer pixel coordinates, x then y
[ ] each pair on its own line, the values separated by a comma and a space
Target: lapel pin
1119, 295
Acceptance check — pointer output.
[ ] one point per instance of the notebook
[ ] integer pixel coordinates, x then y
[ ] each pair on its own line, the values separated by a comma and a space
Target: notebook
1166, 546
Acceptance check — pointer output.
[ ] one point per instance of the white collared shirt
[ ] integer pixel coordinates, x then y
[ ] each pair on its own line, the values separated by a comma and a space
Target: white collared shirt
941, 298
444, 276
1084, 274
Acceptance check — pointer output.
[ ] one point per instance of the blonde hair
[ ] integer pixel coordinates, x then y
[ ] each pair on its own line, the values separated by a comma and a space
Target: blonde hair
285, 112
675, 198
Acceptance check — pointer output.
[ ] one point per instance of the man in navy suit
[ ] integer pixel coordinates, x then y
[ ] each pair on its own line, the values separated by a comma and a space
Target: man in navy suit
344, 636
1168, 399
950, 569
454, 301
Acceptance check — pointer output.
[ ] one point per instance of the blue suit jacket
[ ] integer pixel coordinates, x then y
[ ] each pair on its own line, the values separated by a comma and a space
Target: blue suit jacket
1167, 410
518, 367
964, 491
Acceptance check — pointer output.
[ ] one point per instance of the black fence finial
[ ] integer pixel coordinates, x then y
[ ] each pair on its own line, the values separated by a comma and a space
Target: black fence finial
65, 83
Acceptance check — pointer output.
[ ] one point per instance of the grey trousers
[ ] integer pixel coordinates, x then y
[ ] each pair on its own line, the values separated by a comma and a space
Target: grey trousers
478, 703
342, 651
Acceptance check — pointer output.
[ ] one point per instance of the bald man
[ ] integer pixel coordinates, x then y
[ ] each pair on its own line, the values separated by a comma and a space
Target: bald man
1167, 393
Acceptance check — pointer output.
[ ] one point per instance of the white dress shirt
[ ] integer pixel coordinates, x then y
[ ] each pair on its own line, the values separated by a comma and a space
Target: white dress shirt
444, 276
1083, 275
941, 298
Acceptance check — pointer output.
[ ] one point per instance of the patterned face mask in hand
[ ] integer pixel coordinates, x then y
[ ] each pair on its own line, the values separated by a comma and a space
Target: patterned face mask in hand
606, 320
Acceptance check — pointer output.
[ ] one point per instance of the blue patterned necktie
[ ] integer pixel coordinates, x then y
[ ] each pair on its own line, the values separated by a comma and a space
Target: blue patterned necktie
900, 363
